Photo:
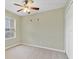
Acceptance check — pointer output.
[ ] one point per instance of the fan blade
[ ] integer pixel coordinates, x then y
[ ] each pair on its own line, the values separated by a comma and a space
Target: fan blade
19, 10
17, 4
35, 8
30, 1
26, 1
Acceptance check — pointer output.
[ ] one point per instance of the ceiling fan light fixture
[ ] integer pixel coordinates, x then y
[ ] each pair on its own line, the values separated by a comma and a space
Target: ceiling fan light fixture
28, 11
26, 6
25, 9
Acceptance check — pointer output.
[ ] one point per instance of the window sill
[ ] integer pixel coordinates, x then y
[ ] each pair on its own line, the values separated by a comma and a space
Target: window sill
10, 38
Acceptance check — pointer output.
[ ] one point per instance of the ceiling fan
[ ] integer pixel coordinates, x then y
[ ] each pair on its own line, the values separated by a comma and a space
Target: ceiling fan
26, 6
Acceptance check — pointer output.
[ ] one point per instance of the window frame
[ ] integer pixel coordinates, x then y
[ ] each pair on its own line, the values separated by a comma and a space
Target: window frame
11, 28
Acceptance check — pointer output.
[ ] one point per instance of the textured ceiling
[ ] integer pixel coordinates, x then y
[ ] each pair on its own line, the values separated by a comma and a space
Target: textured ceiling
44, 5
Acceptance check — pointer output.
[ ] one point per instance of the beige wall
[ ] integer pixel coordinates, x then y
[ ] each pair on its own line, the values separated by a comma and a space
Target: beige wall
69, 29
47, 32
18, 27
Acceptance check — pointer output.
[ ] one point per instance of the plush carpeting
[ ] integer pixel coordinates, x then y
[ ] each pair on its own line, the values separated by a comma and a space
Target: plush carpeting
27, 52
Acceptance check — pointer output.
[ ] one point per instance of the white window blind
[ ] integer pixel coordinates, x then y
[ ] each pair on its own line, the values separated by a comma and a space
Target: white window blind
10, 28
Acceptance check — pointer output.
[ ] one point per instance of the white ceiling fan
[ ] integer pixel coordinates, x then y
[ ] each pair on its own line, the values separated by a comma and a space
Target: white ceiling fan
26, 6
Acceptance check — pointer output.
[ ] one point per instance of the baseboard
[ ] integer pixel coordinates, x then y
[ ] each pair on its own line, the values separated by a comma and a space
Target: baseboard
53, 49
58, 50
11, 46
67, 55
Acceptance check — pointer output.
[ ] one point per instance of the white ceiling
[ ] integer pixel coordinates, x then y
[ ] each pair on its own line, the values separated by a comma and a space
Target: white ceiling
44, 5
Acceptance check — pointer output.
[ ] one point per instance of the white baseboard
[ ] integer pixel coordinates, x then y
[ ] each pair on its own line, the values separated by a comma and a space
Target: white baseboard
67, 55
11, 46
58, 50
53, 49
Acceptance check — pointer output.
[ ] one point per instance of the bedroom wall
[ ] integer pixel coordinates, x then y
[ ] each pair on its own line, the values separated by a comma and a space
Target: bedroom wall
10, 42
47, 32
69, 29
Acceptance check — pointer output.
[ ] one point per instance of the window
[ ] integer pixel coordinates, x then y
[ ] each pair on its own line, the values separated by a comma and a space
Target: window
10, 28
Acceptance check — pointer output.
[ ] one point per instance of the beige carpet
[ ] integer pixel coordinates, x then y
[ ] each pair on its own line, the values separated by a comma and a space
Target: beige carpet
26, 52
